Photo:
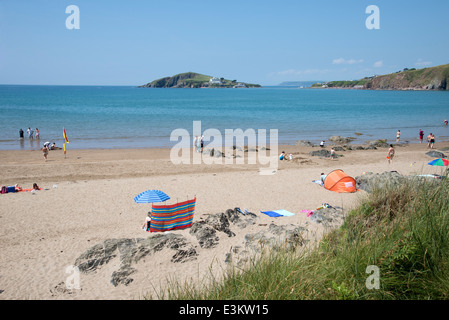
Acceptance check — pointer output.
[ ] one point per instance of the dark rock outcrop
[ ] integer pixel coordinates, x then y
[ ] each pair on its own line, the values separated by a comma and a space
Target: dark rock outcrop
131, 251
331, 217
369, 181
321, 153
436, 154
341, 140
304, 143
381, 143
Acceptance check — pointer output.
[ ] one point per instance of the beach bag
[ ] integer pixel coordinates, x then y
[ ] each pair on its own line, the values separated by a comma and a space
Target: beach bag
4, 190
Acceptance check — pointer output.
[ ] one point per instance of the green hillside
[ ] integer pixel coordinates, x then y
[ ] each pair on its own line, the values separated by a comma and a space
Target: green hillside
434, 78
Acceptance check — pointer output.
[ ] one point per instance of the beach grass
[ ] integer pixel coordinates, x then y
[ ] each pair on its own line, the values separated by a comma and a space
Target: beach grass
399, 231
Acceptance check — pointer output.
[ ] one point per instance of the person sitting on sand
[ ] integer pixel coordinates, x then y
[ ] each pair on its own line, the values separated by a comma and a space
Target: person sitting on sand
283, 156
390, 153
323, 177
146, 224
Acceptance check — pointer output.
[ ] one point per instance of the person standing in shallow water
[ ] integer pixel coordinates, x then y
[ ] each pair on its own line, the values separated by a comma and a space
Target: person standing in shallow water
398, 135
21, 134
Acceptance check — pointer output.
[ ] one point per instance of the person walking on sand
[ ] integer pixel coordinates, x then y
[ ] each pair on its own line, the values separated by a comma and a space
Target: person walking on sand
198, 144
390, 155
45, 151
398, 135
432, 140
429, 137
195, 140
421, 135
332, 153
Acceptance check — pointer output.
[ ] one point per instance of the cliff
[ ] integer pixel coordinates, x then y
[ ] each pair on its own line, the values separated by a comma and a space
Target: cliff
196, 80
434, 78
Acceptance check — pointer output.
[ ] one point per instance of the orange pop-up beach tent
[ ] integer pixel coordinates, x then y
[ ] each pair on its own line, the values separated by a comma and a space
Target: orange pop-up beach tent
340, 182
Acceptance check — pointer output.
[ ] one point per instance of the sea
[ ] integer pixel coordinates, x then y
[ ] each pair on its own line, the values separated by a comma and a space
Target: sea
106, 117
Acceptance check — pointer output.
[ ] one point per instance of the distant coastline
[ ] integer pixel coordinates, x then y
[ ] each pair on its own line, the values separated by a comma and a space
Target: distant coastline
434, 78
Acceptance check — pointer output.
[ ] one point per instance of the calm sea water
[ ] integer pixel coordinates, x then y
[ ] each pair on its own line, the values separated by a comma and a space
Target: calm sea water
130, 117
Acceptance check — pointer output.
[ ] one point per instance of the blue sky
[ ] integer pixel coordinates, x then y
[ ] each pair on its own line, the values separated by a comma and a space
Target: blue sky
265, 42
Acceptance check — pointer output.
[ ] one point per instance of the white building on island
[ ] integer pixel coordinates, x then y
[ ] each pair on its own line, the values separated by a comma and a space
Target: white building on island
215, 80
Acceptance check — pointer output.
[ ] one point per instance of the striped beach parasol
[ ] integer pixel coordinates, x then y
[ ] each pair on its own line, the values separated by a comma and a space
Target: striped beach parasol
439, 162
151, 196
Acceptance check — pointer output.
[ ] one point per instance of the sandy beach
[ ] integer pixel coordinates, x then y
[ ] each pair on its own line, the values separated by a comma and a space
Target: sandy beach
87, 198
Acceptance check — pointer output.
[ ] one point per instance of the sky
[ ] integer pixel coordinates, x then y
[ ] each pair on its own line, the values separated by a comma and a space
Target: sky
266, 42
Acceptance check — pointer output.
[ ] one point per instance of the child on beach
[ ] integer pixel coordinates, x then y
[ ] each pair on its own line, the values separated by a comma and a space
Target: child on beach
390, 153
332, 153
283, 156
430, 141
45, 151
421, 135
146, 224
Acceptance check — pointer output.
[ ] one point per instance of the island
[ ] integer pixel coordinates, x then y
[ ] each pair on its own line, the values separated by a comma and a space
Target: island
196, 80
433, 78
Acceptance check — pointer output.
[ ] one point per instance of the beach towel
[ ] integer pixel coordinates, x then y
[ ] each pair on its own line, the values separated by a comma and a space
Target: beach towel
278, 213
27, 190
172, 217
309, 212
318, 182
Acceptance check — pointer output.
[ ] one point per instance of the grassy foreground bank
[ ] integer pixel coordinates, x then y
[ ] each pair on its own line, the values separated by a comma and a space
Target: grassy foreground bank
394, 246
